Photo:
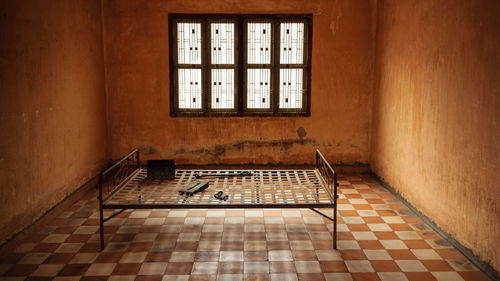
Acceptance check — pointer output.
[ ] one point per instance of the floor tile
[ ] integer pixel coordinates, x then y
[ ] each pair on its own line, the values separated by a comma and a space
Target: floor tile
447, 276
47, 270
328, 255
393, 244
152, 268
437, 265
310, 277
282, 255
462, 265
353, 254
205, 268
384, 266
100, 269
338, 277
419, 276
377, 255
307, 267
411, 266
179, 268
364, 235
359, 266
182, 256
333, 266
392, 276
33, 258
256, 267
227, 256
127, 268
474, 276
283, 277
365, 276
21, 269
74, 269
133, 257
230, 268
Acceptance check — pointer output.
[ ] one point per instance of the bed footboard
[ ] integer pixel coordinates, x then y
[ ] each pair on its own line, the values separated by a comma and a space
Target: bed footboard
330, 177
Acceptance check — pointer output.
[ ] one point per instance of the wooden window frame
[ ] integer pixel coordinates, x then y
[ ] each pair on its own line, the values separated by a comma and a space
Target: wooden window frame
240, 66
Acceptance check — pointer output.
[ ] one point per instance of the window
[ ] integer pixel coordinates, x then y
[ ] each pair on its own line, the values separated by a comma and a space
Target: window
240, 65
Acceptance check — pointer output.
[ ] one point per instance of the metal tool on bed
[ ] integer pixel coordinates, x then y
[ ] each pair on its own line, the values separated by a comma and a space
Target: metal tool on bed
242, 174
193, 188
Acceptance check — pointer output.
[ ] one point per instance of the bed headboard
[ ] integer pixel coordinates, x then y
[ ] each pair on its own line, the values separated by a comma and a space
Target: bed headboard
118, 173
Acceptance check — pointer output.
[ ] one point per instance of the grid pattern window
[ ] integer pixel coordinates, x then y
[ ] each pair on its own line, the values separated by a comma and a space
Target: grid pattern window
189, 53
258, 65
259, 43
222, 66
240, 65
189, 88
258, 88
291, 65
189, 43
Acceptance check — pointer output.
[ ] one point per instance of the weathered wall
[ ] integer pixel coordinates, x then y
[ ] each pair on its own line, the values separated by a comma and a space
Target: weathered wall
137, 72
436, 118
52, 105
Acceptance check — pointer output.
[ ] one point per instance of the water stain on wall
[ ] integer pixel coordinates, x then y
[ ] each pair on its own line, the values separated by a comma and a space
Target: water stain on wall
301, 132
246, 145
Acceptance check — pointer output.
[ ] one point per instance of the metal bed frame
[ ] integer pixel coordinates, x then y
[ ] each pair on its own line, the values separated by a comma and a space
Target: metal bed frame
127, 187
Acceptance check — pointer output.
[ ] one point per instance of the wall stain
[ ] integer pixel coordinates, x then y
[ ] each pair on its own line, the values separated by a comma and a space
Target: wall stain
241, 146
152, 150
148, 150
301, 132
337, 10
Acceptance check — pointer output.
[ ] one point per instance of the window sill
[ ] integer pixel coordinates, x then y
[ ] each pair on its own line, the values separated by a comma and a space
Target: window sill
232, 114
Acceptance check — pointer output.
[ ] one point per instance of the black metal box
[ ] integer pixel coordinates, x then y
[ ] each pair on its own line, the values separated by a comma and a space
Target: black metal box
161, 169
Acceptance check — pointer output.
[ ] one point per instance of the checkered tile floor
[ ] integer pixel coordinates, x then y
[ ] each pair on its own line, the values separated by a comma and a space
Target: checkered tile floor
379, 239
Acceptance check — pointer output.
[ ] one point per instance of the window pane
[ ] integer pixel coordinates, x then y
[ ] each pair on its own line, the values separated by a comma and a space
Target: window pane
223, 88
291, 88
292, 43
259, 43
222, 43
189, 43
189, 88
258, 88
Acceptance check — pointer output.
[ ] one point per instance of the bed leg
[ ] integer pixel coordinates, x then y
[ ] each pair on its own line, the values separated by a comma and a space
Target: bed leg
101, 216
334, 227
335, 197
101, 228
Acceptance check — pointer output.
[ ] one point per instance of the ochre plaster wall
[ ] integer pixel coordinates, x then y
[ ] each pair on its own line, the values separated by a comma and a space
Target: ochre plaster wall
52, 105
436, 117
137, 75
